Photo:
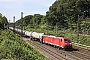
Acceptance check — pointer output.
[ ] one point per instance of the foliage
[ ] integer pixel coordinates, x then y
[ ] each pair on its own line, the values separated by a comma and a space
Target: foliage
65, 13
36, 19
31, 20
24, 21
11, 47
3, 21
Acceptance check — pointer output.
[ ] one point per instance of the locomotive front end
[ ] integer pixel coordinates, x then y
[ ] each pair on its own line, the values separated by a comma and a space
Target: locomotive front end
68, 44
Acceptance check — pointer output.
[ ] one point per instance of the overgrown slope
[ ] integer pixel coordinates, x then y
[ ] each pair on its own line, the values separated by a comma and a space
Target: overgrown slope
11, 47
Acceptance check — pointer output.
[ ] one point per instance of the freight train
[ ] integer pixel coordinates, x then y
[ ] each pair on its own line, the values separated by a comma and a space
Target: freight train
60, 42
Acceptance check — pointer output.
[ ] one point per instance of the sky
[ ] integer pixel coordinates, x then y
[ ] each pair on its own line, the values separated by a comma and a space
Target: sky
11, 8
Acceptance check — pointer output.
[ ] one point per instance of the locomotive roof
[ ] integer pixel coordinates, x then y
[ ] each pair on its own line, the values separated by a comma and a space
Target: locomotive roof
57, 36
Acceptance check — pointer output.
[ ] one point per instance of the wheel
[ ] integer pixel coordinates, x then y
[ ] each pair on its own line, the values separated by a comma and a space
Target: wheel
54, 46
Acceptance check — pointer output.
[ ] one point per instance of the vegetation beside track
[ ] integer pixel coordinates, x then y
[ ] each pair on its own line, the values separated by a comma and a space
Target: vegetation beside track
11, 47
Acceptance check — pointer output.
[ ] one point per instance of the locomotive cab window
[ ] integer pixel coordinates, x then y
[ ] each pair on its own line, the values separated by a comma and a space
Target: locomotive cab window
66, 40
61, 40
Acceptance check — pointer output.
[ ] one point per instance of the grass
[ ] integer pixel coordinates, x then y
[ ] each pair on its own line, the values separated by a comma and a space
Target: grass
11, 47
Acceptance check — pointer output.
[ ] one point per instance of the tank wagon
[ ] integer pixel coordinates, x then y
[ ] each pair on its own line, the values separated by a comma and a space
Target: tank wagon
19, 31
11, 28
34, 35
53, 40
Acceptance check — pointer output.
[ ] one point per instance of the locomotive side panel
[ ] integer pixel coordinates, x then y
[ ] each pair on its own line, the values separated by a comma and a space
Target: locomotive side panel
56, 42
51, 40
46, 39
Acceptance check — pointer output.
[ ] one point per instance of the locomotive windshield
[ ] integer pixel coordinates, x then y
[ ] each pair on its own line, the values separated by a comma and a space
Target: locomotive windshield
66, 40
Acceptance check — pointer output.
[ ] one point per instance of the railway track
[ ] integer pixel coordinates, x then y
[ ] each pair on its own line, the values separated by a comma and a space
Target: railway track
76, 54
58, 54
81, 53
50, 52
68, 54
82, 50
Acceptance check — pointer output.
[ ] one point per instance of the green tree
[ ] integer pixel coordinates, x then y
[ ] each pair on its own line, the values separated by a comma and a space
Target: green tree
24, 21
36, 20
27, 19
3, 21
65, 12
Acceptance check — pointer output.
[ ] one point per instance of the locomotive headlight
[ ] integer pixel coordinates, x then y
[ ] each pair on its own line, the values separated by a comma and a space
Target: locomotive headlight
70, 43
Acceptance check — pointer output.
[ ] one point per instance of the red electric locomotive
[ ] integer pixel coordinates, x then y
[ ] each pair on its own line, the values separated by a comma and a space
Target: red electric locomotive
57, 41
